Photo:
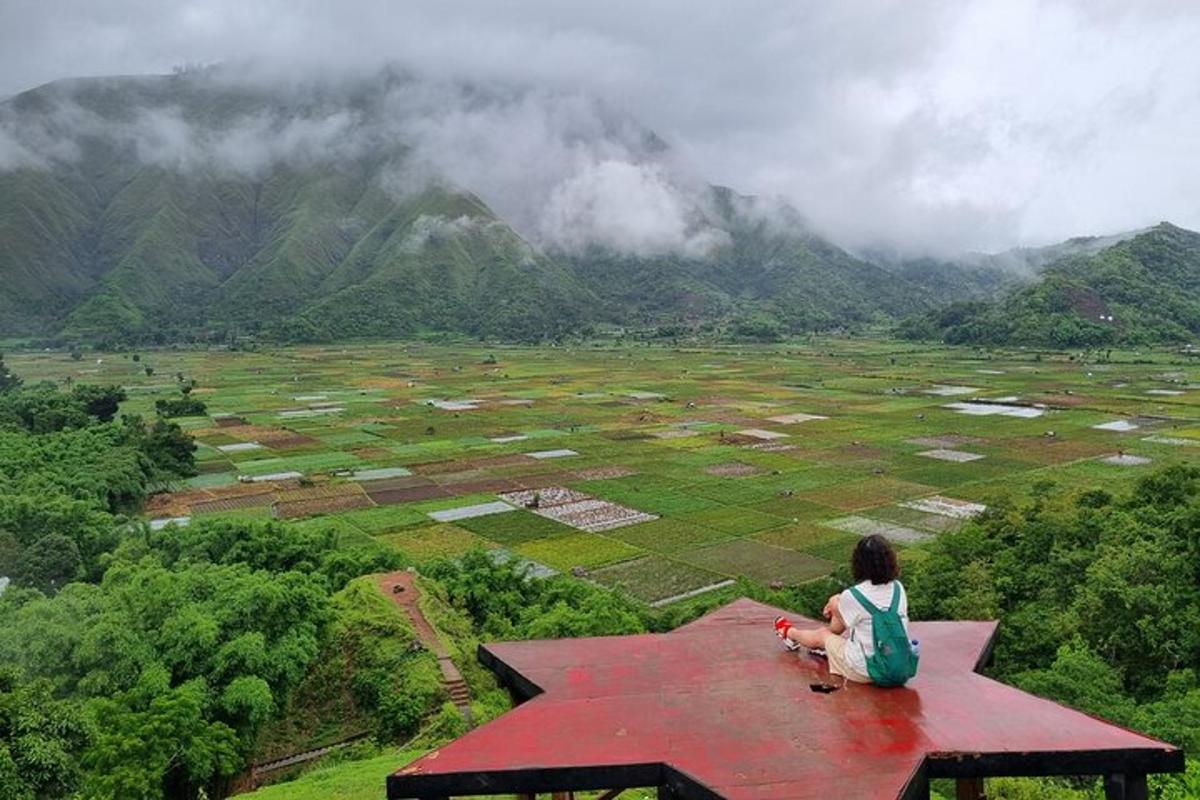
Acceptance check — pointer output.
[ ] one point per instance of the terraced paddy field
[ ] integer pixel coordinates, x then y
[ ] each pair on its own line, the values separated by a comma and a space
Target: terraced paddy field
656, 471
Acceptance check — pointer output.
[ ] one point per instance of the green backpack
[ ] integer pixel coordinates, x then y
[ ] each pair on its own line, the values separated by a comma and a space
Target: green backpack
893, 663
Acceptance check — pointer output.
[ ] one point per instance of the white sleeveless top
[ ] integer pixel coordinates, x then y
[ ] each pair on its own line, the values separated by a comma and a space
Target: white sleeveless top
859, 630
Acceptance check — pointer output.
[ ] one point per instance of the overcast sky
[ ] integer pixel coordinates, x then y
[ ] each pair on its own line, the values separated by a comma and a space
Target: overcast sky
936, 126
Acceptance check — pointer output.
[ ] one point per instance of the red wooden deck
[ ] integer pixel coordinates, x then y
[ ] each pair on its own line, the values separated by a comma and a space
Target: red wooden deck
717, 709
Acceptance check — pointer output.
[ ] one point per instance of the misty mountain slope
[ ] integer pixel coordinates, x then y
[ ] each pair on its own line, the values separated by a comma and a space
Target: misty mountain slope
193, 206
1141, 290
309, 226
769, 264
44, 259
149, 250
457, 268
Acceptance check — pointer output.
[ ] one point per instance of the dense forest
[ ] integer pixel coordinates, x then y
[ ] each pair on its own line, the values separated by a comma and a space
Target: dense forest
1140, 291
138, 664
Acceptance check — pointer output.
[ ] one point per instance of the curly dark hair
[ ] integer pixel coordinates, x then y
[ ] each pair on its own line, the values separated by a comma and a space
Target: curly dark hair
874, 559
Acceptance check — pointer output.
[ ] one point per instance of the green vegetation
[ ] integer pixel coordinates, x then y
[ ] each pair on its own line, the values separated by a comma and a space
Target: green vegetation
355, 780
1137, 292
186, 405
1099, 598
139, 663
1100, 595
249, 638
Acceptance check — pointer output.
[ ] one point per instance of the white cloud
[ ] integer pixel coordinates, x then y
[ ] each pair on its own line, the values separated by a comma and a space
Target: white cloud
631, 208
915, 123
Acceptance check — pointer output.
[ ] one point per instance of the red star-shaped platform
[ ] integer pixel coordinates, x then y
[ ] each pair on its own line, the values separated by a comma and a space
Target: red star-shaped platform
718, 709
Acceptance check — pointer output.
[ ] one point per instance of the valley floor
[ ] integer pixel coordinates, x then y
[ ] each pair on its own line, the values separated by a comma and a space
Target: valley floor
657, 471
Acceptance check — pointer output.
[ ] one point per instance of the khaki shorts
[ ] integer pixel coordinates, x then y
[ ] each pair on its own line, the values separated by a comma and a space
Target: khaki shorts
835, 650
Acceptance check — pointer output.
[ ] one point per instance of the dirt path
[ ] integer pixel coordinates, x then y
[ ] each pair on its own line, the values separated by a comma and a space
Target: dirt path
402, 589
258, 770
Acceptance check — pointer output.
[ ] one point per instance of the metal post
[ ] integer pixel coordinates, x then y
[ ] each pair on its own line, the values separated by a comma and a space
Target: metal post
1129, 786
969, 789
918, 788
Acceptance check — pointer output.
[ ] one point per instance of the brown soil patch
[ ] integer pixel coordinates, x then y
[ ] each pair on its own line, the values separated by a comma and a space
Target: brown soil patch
291, 442
325, 490
737, 439
401, 588
327, 505
1064, 400
1089, 304
233, 503
229, 422
481, 487
465, 476
402, 482
393, 497
180, 504
174, 504
369, 453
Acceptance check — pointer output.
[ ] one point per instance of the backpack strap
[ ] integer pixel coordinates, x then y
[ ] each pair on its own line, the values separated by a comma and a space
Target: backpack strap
865, 603
871, 608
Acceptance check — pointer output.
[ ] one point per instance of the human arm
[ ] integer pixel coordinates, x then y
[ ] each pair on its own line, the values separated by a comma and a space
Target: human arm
833, 613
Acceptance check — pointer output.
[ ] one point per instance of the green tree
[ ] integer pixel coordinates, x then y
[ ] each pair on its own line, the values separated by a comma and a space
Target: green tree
41, 738
166, 747
101, 402
8, 381
48, 564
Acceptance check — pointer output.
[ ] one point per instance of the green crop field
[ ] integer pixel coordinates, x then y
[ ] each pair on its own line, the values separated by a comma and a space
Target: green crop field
707, 453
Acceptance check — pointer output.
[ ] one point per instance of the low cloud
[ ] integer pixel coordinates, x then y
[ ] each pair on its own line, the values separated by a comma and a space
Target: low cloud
565, 171
917, 125
631, 208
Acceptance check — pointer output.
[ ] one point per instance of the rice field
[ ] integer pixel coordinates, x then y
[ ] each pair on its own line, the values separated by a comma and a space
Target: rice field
655, 471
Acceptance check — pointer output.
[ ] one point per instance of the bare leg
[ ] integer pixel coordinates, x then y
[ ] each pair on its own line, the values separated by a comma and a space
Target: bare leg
812, 638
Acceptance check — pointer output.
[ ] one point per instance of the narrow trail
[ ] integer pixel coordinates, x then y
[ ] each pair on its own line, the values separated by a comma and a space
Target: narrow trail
402, 589
258, 770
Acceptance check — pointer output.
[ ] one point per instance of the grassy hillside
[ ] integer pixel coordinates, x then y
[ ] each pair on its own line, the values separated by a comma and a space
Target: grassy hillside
371, 676
352, 780
1142, 290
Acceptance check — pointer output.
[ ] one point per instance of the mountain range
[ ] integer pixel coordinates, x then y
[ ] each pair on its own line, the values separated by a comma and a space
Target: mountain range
1143, 289
191, 207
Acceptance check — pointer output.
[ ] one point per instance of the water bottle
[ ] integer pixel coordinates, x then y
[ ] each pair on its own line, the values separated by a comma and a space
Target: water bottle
916, 647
